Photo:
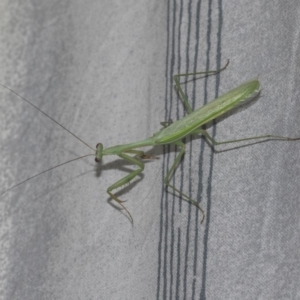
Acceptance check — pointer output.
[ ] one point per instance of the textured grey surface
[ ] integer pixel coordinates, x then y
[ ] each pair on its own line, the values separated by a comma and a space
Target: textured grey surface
103, 69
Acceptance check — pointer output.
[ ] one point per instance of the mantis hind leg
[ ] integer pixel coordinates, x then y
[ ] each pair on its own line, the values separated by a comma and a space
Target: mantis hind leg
170, 174
127, 178
182, 94
252, 138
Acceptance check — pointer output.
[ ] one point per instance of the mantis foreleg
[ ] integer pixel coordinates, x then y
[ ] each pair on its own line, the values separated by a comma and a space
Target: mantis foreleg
127, 178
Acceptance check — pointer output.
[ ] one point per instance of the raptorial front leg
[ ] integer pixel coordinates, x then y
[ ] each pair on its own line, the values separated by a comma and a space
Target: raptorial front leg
140, 154
170, 174
127, 178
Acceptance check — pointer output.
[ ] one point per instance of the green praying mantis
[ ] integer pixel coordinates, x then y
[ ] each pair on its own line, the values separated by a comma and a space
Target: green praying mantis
173, 133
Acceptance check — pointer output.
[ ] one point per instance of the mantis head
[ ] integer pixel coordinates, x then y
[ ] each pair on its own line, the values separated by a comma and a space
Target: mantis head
99, 152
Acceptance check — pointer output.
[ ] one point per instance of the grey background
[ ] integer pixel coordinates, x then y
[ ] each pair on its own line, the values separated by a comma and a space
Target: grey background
104, 70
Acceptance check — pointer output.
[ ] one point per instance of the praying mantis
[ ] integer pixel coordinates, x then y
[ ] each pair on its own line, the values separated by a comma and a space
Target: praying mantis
173, 133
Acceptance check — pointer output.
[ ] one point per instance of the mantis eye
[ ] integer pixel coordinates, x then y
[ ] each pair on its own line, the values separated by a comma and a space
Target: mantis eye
99, 149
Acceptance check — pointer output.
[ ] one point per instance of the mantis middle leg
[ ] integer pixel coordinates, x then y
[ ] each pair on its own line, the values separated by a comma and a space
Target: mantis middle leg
171, 172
